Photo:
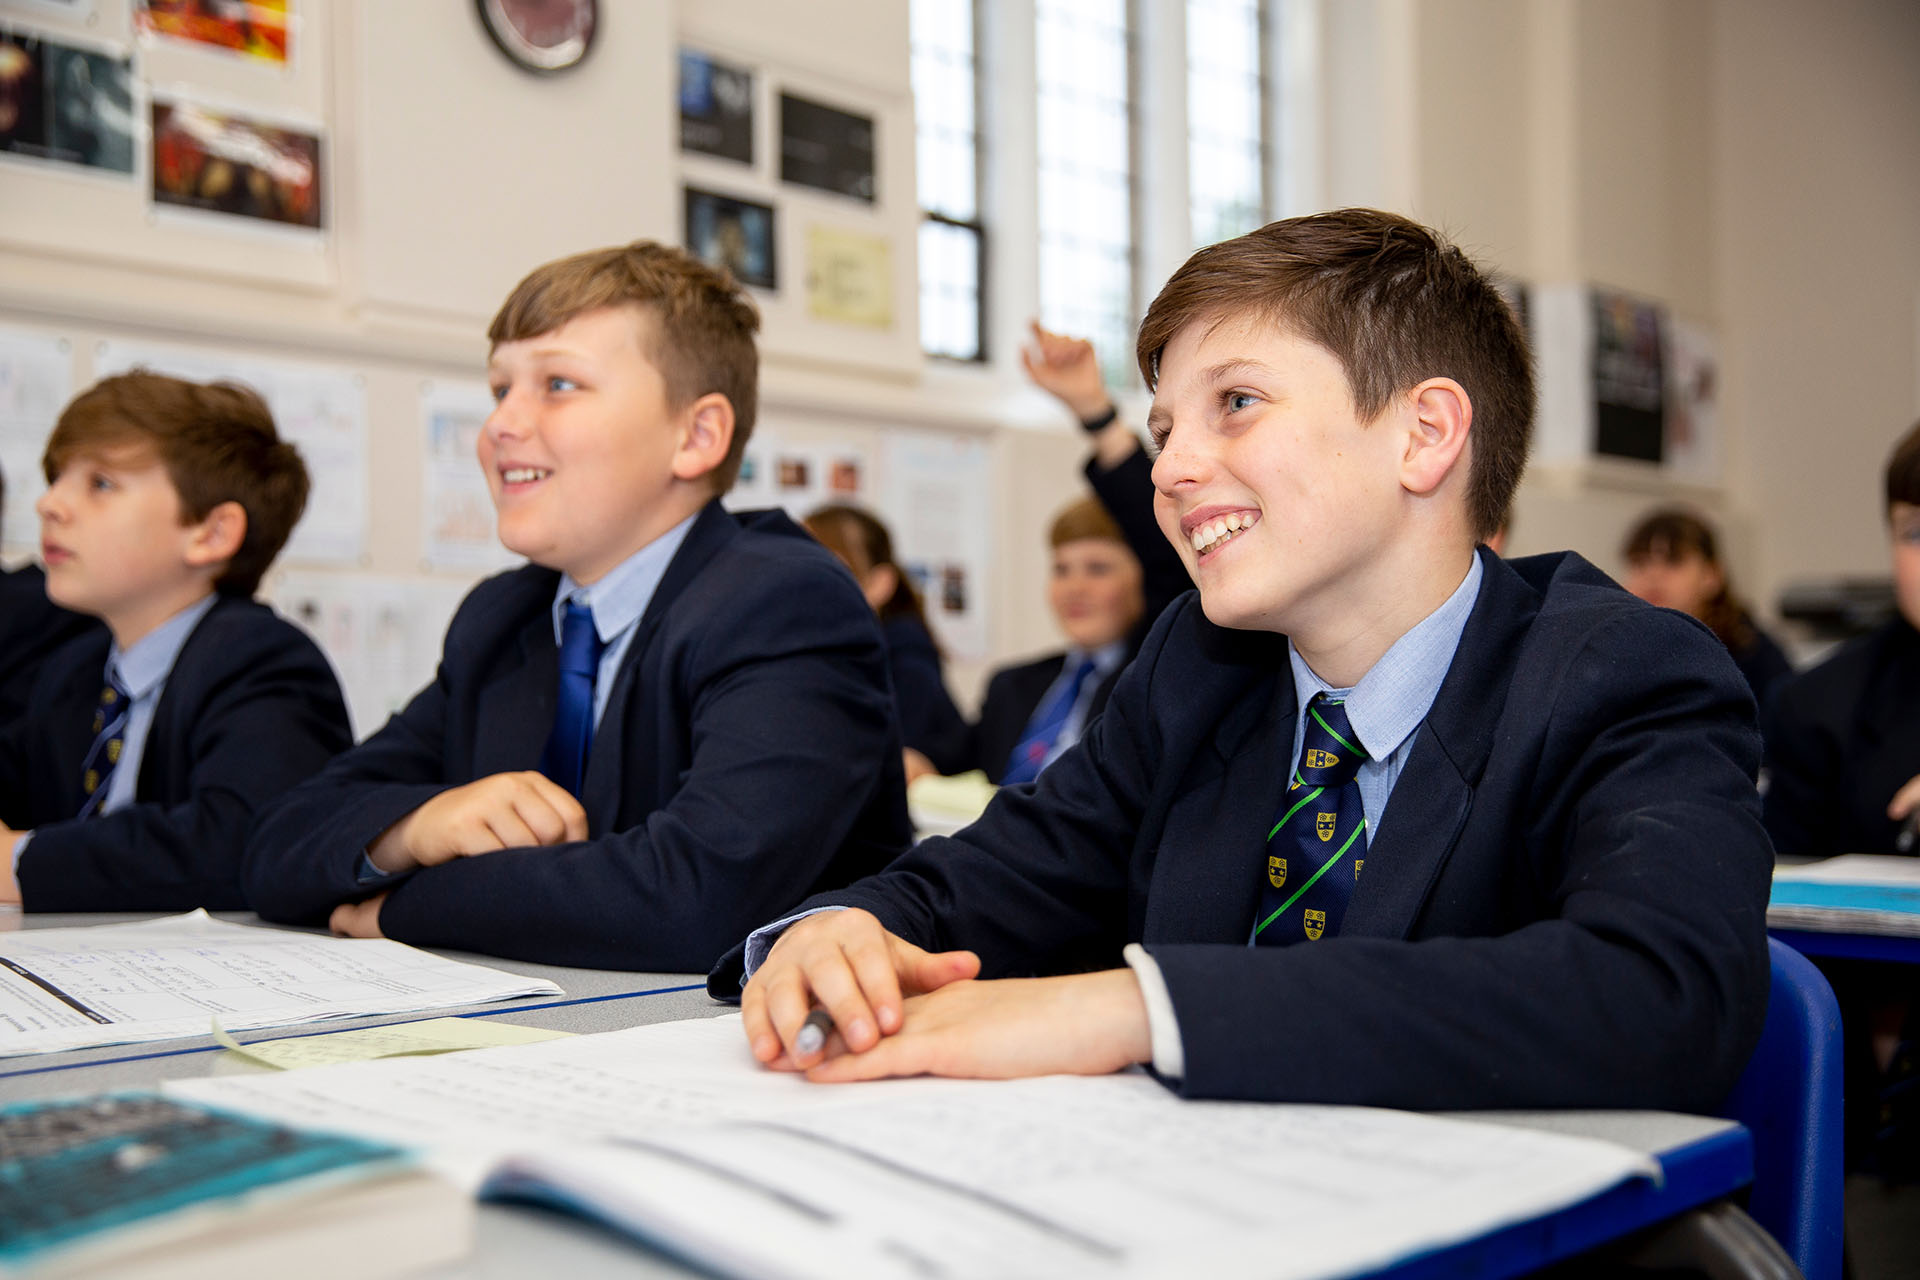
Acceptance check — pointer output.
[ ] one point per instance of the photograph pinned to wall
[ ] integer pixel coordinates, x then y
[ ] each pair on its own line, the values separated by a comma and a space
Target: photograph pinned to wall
716, 107
849, 277
1628, 377
36, 381
322, 411
256, 29
456, 507
67, 104
218, 162
1692, 446
826, 148
735, 234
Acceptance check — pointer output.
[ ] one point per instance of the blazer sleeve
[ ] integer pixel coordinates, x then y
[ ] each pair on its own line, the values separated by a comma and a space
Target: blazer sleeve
1642, 984
1126, 491
792, 736
303, 854
268, 717
1806, 760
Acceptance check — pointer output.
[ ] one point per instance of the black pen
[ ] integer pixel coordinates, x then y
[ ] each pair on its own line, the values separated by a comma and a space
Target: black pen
813, 1033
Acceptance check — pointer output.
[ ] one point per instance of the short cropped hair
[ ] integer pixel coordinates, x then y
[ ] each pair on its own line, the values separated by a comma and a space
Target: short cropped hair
1394, 303
218, 444
1903, 470
1082, 518
701, 330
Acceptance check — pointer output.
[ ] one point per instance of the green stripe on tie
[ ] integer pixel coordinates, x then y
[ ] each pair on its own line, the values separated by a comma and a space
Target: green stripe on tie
1324, 868
1336, 737
1283, 821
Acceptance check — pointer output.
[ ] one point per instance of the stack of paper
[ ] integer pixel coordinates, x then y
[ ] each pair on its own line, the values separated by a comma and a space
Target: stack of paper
161, 979
675, 1135
1856, 893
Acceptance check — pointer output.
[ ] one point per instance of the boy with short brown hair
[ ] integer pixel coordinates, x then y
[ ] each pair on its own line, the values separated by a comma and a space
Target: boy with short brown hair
1375, 817
672, 724
129, 782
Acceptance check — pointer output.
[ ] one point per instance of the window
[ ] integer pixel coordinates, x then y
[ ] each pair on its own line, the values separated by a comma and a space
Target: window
1226, 143
1083, 64
947, 137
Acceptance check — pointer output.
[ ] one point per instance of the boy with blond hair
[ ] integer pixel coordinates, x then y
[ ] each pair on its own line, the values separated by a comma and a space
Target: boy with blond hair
129, 781
674, 723
1375, 816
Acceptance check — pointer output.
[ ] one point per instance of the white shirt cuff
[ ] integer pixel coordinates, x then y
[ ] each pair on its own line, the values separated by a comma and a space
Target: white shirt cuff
20, 847
761, 940
1169, 1056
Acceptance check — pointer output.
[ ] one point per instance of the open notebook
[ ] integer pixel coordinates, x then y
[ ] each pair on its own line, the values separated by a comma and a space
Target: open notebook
674, 1135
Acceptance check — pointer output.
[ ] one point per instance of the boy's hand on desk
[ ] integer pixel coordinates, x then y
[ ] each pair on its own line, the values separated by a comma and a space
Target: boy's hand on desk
10, 883
500, 811
1083, 1024
358, 919
848, 963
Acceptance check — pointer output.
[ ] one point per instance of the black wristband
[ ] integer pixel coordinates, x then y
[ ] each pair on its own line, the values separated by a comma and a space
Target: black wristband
1100, 421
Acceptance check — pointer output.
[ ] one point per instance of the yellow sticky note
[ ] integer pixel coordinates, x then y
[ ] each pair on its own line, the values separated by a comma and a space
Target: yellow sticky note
433, 1035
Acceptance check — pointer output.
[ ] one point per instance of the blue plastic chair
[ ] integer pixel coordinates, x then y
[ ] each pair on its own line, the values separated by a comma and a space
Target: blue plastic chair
1789, 1099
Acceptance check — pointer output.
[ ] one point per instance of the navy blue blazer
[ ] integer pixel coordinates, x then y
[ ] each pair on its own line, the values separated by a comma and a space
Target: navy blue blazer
249, 709
749, 755
32, 628
929, 722
1563, 905
1013, 692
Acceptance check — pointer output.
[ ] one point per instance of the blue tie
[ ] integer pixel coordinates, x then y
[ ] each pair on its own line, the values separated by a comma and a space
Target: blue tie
1043, 730
1316, 849
565, 759
109, 739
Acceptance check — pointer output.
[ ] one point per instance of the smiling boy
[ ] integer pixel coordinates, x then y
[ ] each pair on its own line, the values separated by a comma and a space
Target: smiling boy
1376, 817
672, 724
129, 781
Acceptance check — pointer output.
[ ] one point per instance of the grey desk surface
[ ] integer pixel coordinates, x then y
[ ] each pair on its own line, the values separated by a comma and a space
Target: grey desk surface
513, 1241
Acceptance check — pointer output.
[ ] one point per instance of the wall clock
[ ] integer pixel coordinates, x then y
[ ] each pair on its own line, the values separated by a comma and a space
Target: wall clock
543, 36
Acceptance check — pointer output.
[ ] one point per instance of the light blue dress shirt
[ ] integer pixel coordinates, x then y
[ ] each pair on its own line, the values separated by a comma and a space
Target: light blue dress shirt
142, 671
1107, 659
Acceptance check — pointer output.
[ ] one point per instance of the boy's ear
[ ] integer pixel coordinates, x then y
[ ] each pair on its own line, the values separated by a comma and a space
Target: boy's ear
216, 539
1440, 416
706, 433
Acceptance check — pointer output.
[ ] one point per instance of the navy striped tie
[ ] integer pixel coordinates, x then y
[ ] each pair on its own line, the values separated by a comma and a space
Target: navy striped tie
1316, 848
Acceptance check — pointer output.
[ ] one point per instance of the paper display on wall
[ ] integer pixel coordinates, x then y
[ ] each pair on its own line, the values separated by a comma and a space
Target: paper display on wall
382, 634
1693, 402
322, 411
36, 381
937, 498
456, 510
775, 472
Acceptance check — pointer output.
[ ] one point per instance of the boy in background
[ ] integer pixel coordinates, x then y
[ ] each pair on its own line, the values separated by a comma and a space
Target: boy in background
31, 627
673, 724
129, 782
1374, 818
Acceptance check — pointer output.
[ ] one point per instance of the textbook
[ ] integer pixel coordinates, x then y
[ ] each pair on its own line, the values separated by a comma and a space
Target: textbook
1854, 893
674, 1136
141, 1187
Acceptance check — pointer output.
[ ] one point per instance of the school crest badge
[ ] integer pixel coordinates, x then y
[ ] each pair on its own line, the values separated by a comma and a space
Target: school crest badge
1276, 871
1318, 759
1316, 925
1323, 826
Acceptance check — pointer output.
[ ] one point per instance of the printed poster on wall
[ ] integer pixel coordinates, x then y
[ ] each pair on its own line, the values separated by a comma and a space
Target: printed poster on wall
219, 162
716, 107
256, 29
382, 634
826, 148
736, 234
849, 277
1628, 377
1693, 403
938, 501
36, 381
801, 478
65, 104
322, 411
456, 508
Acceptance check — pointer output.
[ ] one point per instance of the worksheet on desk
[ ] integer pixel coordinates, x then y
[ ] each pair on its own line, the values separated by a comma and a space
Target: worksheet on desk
675, 1134
163, 979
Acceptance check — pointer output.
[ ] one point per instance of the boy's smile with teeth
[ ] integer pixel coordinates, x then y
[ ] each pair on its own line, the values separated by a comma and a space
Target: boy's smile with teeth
523, 475
1215, 533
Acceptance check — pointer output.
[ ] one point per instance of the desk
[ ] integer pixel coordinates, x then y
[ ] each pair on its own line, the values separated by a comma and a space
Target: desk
1704, 1159
1851, 946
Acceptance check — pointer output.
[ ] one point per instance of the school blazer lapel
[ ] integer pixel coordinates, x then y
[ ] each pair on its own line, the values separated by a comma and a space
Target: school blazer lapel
514, 712
1434, 794
607, 765
1212, 855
